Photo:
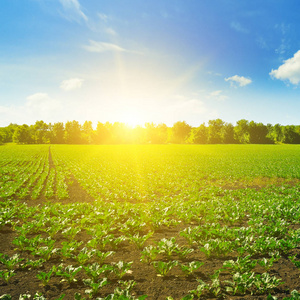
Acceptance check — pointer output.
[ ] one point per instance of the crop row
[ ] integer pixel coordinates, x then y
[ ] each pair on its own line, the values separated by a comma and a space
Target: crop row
26, 173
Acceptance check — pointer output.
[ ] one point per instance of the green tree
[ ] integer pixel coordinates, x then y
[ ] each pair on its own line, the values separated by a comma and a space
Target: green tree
227, 133
215, 131
180, 132
290, 136
41, 134
73, 132
156, 134
22, 135
258, 133
87, 133
103, 134
58, 133
199, 135
241, 131
8, 132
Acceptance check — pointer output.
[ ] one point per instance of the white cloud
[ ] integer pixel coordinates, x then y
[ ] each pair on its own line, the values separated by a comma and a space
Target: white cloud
240, 80
41, 103
38, 106
238, 27
71, 84
103, 47
289, 70
73, 10
218, 95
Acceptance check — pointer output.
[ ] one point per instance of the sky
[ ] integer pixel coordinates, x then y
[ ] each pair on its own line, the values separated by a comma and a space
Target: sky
160, 61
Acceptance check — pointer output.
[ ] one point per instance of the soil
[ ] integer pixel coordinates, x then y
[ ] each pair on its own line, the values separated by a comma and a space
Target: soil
175, 284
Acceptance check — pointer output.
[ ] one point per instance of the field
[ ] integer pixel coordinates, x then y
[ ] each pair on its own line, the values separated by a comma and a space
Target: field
162, 221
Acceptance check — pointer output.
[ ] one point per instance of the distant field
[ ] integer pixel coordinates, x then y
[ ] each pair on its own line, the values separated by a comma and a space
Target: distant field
180, 221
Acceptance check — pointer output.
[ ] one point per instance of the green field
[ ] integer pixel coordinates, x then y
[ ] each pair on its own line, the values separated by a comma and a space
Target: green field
127, 221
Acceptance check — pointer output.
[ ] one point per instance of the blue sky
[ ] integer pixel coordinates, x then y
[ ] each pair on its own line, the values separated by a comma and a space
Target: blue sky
137, 61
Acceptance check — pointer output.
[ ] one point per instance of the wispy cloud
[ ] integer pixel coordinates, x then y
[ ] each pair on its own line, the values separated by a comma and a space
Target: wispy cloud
238, 80
289, 70
100, 47
73, 11
103, 47
71, 84
238, 27
218, 95
262, 43
284, 42
110, 31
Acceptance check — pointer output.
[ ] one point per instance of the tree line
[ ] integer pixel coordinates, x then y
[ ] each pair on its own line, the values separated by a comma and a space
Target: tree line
215, 132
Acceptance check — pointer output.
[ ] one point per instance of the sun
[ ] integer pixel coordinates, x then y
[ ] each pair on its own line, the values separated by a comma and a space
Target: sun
132, 117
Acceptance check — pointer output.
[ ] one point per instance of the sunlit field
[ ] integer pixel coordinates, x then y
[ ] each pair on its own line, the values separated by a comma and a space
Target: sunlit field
150, 221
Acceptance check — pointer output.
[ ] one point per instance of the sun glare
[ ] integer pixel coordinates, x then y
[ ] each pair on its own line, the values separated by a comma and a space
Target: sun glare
132, 117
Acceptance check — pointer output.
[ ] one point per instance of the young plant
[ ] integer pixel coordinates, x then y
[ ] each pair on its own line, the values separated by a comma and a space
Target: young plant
68, 248
266, 263
138, 240
163, 268
183, 252
189, 234
77, 296
202, 286
33, 264
46, 252
121, 268
10, 262
264, 282
84, 255
5, 297
149, 254
127, 284
191, 267
114, 243
294, 261
215, 286
94, 286
241, 265
6, 275
45, 276
70, 232
101, 256
68, 273
95, 270
167, 247
241, 283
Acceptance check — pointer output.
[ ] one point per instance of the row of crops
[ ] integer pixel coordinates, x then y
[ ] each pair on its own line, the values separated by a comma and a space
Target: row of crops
168, 222
25, 172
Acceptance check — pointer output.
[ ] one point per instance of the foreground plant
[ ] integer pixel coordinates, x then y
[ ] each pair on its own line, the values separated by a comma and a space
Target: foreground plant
68, 273
149, 254
10, 262
167, 246
202, 286
121, 268
95, 286
45, 276
191, 267
138, 240
120, 294
6, 275
163, 268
